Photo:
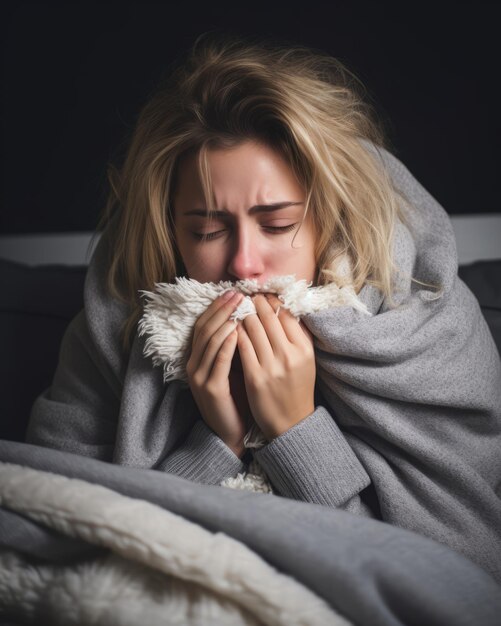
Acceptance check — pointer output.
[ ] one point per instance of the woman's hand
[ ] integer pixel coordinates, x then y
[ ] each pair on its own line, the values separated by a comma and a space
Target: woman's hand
278, 362
208, 369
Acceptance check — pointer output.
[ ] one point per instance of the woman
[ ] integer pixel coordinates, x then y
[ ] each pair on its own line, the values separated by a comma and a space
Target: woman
253, 161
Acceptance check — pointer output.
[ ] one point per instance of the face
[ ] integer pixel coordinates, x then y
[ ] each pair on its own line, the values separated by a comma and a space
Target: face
260, 206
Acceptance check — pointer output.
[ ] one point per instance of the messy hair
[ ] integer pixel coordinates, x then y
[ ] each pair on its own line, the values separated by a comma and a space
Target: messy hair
304, 104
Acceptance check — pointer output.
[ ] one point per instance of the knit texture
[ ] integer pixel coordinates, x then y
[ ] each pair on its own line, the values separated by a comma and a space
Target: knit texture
413, 394
169, 317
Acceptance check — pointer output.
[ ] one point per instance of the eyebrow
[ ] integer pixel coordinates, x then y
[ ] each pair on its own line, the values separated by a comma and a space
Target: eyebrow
258, 208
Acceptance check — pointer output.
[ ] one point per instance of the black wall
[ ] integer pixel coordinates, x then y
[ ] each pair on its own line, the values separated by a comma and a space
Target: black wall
76, 75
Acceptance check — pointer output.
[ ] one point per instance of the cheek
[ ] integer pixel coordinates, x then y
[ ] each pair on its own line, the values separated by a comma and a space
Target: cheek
299, 257
203, 263
301, 247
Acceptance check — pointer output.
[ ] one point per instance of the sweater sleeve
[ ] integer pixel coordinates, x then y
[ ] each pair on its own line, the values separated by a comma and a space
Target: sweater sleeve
203, 457
78, 413
313, 462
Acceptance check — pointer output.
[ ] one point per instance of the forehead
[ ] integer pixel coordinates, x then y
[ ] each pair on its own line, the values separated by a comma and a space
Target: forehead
250, 168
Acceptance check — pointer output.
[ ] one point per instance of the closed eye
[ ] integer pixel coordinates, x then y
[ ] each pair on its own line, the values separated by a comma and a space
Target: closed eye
276, 230
280, 229
205, 236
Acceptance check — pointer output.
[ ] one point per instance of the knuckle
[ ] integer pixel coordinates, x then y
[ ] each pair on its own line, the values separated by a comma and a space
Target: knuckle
225, 352
244, 348
256, 382
212, 389
197, 380
213, 342
289, 361
222, 357
307, 346
309, 351
281, 373
205, 333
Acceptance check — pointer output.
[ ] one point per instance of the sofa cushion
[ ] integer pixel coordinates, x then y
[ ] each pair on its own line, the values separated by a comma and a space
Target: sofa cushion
484, 279
36, 305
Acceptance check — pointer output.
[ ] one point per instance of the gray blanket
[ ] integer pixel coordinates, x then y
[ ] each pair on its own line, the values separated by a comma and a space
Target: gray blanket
408, 430
370, 572
417, 390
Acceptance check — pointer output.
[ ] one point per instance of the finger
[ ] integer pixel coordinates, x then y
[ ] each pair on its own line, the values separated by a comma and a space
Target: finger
222, 304
212, 351
246, 350
205, 329
222, 362
289, 323
260, 335
307, 332
272, 325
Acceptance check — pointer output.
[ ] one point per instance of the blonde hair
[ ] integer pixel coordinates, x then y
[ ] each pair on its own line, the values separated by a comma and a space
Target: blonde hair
304, 104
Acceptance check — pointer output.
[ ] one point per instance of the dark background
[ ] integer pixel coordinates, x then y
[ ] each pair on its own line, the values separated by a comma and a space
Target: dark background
75, 76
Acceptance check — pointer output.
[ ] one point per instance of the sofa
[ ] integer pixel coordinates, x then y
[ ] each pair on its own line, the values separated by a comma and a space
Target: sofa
126, 544
38, 302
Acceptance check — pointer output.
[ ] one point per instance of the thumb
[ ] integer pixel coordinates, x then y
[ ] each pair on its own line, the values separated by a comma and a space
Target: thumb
307, 332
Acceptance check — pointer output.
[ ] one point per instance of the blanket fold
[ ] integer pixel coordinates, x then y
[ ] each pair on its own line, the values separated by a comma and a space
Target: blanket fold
415, 392
417, 388
220, 575
368, 572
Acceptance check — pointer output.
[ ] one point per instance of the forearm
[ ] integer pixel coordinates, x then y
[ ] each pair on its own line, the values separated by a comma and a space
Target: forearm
203, 458
313, 462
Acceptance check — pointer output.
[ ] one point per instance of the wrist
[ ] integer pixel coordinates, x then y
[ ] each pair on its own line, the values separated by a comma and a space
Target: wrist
283, 426
237, 449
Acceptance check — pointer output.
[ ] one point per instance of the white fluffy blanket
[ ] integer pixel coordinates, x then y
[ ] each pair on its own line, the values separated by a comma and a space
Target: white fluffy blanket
162, 569
171, 311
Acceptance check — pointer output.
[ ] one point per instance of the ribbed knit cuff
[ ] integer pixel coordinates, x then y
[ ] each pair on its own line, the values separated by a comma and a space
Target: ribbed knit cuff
313, 462
203, 458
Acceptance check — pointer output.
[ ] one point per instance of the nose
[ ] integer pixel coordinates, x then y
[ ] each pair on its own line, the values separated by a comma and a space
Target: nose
246, 259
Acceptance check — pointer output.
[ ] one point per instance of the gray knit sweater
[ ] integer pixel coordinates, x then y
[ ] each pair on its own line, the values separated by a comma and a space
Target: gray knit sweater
407, 424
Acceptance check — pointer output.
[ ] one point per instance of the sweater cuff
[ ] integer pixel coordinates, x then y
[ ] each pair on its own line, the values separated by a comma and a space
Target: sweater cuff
203, 458
313, 462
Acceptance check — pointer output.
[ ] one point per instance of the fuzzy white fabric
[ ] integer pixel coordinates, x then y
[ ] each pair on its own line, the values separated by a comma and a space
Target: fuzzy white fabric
254, 478
164, 569
171, 311
109, 591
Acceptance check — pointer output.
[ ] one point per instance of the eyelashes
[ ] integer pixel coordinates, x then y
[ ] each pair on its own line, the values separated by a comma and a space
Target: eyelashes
276, 230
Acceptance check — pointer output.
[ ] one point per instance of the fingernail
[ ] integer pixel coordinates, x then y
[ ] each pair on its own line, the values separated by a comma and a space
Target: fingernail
227, 295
